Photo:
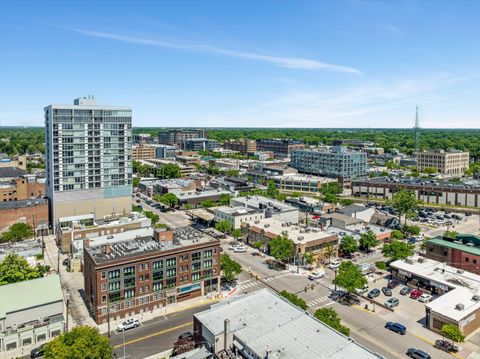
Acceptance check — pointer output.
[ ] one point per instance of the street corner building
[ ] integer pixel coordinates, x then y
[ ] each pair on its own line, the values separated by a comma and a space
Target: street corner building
88, 159
132, 276
30, 312
264, 325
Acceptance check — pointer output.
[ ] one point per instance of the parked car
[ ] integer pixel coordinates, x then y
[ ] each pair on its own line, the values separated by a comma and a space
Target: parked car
445, 346
387, 291
362, 290
373, 293
417, 354
392, 302
396, 327
240, 249
128, 324
349, 299
233, 245
317, 275
405, 290
38, 352
457, 217
392, 284
336, 294
334, 265
414, 294
425, 298
185, 335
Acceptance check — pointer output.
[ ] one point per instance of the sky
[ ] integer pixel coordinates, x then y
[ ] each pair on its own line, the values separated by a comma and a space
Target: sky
288, 63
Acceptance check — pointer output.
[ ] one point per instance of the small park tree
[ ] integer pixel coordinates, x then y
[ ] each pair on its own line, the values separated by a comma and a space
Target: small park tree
348, 245
405, 203
330, 317
224, 227
397, 250
229, 267
349, 277
452, 332
294, 299
281, 247
368, 240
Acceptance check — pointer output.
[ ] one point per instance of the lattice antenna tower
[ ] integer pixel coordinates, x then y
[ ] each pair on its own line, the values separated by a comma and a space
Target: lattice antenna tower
416, 133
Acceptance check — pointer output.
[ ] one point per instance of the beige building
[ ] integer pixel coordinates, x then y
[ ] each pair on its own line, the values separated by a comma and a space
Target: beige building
143, 152
449, 163
18, 161
237, 215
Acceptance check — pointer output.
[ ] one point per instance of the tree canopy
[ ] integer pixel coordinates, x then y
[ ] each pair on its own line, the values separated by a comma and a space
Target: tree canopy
15, 269
17, 232
169, 170
330, 317
405, 203
294, 299
168, 199
453, 333
350, 277
224, 226
348, 245
368, 240
398, 250
330, 192
79, 343
229, 267
281, 247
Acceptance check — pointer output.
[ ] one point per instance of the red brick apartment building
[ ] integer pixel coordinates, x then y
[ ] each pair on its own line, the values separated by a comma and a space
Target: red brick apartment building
142, 274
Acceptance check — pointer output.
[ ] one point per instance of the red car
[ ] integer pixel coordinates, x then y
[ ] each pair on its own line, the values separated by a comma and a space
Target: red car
415, 294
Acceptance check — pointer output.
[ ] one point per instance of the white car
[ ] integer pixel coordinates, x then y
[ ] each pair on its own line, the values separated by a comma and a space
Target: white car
334, 265
425, 298
233, 246
317, 275
128, 324
240, 249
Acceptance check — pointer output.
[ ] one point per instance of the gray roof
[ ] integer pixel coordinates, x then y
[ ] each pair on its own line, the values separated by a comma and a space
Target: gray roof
351, 209
10, 172
23, 203
263, 321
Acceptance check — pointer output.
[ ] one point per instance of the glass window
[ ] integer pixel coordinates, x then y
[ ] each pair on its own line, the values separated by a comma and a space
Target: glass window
171, 262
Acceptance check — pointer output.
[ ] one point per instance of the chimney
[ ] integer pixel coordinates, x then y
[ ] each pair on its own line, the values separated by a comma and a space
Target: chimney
163, 235
86, 243
107, 248
227, 335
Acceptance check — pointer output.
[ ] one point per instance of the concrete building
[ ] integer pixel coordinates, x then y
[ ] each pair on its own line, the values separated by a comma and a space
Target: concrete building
142, 138
272, 208
142, 274
157, 186
22, 187
264, 325
79, 228
463, 252
459, 292
300, 183
30, 312
338, 162
16, 162
237, 215
244, 146
280, 147
143, 151
195, 198
176, 136
446, 162
198, 144
33, 212
165, 151
305, 239
88, 159
358, 211
428, 191
310, 205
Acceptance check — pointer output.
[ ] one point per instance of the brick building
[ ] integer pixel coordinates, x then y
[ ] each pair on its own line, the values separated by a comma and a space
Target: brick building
244, 146
33, 212
143, 151
130, 277
22, 187
280, 147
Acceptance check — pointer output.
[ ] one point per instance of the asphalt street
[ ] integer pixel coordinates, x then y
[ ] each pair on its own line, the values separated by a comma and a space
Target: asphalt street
172, 219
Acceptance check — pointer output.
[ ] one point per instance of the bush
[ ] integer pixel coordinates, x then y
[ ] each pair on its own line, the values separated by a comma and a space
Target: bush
381, 265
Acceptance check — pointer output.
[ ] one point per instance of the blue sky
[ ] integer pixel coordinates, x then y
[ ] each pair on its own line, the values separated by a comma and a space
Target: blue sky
246, 63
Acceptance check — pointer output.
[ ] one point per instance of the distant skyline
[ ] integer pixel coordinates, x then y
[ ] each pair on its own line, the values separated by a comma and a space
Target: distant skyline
322, 64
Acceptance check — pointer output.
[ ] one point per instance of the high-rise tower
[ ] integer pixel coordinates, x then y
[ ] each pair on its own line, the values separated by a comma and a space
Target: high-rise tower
88, 159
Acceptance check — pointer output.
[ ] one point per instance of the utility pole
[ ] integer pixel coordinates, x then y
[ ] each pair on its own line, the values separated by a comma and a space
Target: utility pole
68, 302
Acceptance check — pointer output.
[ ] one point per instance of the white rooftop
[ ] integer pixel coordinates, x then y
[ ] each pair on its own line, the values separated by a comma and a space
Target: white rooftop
258, 201
448, 304
281, 328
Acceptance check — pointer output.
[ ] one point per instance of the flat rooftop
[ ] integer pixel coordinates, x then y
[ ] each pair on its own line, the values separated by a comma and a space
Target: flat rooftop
207, 192
280, 328
473, 247
237, 211
420, 182
260, 201
134, 246
302, 177
456, 304
298, 234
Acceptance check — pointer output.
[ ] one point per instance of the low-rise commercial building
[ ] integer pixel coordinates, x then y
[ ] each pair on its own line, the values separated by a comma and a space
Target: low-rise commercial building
462, 252
310, 205
142, 274
300, 183
337, 162
244, 146
23, 187
237, 215
358, 211
30, 312
459, 292
446, 162
427, 191
194, 199
280, 147
143, 151
34, 212
272, 208
262, 325
157, 186
17, 162
306, 239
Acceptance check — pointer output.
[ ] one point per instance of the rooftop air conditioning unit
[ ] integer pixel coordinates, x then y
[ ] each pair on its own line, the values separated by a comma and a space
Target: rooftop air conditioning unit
460, 306
470, 245
266, 225
420, 259
476, 298
459, 271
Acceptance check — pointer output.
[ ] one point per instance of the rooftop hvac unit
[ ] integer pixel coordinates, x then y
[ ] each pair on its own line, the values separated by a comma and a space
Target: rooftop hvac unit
459, 271
476, 298
420, 259
266, 225
460, 306
470, 245
110, 236
256, 222
300, 238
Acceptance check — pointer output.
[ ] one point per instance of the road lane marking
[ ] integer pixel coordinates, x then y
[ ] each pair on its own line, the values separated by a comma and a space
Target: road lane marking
136, 340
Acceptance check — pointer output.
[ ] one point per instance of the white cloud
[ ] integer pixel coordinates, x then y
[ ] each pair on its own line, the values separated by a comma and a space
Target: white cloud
281, 61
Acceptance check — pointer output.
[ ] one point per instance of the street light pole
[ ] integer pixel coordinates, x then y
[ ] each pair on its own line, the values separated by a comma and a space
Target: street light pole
68, 302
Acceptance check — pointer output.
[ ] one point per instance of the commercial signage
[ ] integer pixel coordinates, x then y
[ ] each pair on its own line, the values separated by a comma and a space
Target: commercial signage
189, 288
439, 285
467, 320
406, 274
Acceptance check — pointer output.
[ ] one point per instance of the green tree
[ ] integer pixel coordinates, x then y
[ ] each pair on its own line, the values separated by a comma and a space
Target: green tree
346, 202
381, 265
272, 190
396, 234
14, 268
17, 232
224, 227
349, 277
330, 317
236, 233
169, 170
258, 244
329, 251
208, 203
450, 234
224, 199
136, 209
135, 182
229, 267
330, 192
368, 240
281, 247
430, 170
308, 258
452, 332
398, 250
405, 203
168, 199
348, 245
294, 299
233, 173
423, 244
413, 230
79, 343
296, 194
154, 218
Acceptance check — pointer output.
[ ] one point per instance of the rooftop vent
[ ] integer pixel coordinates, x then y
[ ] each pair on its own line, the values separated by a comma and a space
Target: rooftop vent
476, 298
470, 245
459, 271
460, 306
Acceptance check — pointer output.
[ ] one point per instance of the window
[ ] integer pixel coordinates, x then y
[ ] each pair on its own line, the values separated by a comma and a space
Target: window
113, 286
467, 259
172, 272
104, 287
195, 277
208, 254
474, 261
141, 278
129, 293
207, 264
157, 276
157, 265
196, 266
171, 262
129, 282
196, 256
104, 298
104, 275
113, 274
157, 286
41, 337
445, 253
129, 271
